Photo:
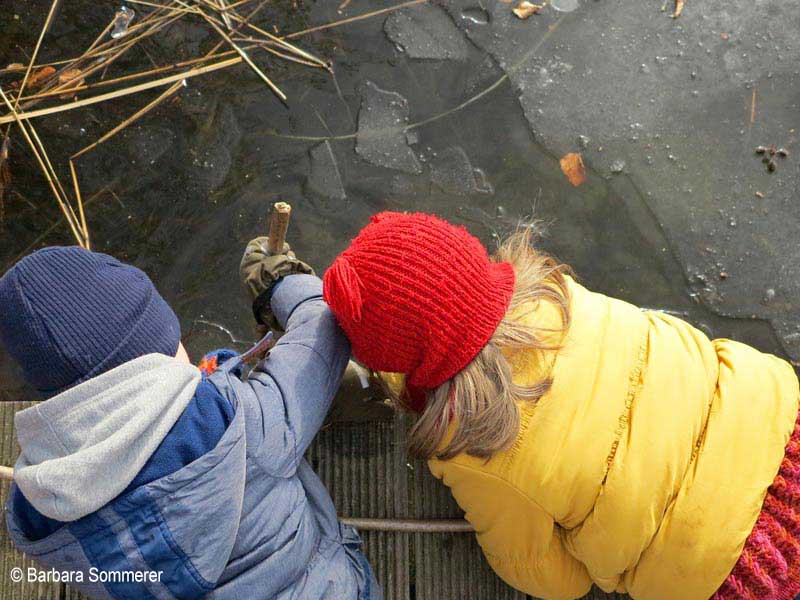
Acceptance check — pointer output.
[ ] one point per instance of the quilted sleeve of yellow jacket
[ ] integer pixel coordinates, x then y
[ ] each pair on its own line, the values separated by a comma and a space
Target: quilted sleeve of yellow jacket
537, 563
643, 469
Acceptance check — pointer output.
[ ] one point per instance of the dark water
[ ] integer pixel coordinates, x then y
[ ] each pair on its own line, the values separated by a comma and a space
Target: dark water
461, 110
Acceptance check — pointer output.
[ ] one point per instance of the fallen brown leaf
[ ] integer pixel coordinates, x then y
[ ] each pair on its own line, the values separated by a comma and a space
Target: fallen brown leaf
525, 9
572, 166
678, 9
72, 78
38, 78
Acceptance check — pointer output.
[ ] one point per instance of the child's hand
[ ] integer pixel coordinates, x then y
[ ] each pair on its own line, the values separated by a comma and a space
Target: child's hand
259, 271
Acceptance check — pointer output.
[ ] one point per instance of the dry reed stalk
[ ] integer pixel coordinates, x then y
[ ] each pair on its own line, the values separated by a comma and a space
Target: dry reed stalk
52, 227
105, 64
153, 4
80, 204
285, 44
123, 92
135, 116
63, 87
211, 55
46, 158
45, 28
244, 56
47, 174
276, 40
138, 75
225, 16
97, 50
268, 47
236, 4
103, 34
293, 35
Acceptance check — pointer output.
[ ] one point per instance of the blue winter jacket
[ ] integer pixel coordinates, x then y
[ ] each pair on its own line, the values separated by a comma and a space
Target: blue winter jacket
197, 484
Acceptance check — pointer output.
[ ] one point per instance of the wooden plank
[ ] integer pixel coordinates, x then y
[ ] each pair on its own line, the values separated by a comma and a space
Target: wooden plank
364, 468
10, 557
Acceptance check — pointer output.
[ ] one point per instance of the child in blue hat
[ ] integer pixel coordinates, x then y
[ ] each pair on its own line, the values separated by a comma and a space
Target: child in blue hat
144, 477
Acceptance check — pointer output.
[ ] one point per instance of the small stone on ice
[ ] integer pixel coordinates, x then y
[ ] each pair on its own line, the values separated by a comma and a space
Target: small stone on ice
583, 141
618, 166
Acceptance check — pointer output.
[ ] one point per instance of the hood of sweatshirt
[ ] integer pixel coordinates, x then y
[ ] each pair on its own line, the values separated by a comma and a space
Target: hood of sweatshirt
98, 435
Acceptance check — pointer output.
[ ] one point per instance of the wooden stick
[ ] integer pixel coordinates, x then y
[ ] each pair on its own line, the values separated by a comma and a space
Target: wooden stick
123, 92
6, 473
278, 225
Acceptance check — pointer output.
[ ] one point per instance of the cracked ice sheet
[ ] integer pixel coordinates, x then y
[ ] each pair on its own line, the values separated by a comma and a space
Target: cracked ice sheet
672, 98
381, 137
324, 177
425, 32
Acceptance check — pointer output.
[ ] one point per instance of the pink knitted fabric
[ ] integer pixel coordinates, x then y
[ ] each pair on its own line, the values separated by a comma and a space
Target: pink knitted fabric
769, 567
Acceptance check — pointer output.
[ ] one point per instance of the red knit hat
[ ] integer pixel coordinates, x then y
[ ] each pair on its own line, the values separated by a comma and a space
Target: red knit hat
419, 296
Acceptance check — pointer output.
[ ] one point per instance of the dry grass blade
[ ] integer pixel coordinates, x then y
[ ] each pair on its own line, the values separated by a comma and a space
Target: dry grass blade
68, 213
154, 5
135, 116
116, 52
53, 173
244, 56
45, 28
123, 92
226, 17
80, 204
106, 49
269, 47
236, 4
281, 42
100, 51
127, 45
131, 76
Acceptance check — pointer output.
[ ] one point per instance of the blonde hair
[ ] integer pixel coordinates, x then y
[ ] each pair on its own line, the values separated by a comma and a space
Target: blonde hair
481, 400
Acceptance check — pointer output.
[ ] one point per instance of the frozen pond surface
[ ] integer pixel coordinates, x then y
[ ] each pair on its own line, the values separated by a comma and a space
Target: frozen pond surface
462, 109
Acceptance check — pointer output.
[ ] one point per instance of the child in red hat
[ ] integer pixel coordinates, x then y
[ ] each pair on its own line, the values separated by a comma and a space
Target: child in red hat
586, 440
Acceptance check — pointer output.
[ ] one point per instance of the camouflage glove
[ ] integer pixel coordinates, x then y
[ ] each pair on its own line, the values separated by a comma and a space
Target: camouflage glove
260, 270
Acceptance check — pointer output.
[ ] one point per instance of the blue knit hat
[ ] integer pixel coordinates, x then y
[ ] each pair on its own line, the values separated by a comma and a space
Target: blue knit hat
68, 314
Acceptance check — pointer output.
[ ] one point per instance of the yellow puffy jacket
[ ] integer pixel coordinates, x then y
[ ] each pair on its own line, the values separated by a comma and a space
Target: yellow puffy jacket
642, 470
